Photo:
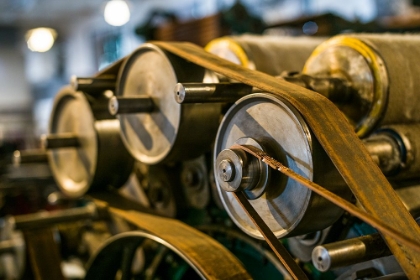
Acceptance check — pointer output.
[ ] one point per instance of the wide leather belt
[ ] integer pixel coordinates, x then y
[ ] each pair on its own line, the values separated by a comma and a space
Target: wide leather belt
337, 137
209, 257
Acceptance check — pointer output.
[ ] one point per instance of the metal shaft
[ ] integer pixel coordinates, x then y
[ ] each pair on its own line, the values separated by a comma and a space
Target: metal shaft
335, 89
385, 152
208, 93
350, 251
29, 156
130, 105
93, 84
46, 219
57, 141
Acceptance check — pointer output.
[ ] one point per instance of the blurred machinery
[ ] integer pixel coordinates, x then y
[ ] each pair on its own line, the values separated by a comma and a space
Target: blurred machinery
176, 163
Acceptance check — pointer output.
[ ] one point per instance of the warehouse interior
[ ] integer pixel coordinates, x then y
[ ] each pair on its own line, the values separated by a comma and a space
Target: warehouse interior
221, 139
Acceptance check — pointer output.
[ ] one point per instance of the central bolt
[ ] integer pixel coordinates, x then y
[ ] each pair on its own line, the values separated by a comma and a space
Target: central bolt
226, 170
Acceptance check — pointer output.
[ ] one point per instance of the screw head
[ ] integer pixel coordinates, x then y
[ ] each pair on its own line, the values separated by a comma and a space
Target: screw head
113, 106
226, 170
179, 93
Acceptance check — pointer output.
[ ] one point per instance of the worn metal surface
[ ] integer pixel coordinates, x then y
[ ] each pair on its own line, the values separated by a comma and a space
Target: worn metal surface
100, 160
164, 134
379, 67
341, 144
268, 54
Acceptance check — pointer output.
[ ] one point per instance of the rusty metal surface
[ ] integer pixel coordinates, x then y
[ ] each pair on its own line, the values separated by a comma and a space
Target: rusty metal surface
336, 136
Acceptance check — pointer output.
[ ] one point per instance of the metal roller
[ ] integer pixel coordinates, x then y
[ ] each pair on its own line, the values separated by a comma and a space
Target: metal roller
381, 70
268, 54
289, 209
164, 131
84, 148
350, 251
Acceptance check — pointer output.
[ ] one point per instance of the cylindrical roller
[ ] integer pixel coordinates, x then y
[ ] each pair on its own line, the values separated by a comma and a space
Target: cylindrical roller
29, 156
130, 105
171, 131
268, 54
63, 140
287, 207
350, 251
382, 69
208, 93
99, 161
47, 219
93, 84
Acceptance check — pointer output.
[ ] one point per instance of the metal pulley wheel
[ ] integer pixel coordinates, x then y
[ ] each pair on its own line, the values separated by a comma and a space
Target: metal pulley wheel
269, 123
84, 153
382, 72
268, 54
154, 127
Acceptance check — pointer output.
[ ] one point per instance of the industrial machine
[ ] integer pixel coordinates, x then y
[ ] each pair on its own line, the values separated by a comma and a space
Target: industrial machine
292, 159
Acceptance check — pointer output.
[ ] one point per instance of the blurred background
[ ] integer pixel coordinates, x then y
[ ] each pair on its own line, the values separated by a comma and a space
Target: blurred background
44, 42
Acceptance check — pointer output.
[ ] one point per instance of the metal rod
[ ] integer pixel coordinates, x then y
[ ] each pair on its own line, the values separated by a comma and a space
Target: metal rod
93, 84
349, 252
56, 141
29, 156
46, 219
279, 250
208, 93
130, 105
385, 152
335, 89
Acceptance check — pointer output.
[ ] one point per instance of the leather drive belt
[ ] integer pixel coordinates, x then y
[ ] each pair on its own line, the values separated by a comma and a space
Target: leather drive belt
339, 141
209, 257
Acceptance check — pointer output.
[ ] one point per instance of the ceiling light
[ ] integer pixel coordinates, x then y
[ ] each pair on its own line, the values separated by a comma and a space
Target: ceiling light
40, 39
117, 12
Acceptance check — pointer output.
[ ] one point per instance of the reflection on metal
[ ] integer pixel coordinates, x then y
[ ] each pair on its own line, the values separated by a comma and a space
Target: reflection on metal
164, 134
286, 206
283, 124
91, 154
350, 251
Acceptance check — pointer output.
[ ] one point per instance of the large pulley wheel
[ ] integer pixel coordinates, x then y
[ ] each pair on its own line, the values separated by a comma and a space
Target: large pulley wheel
288, 208
84, 153
169, 131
